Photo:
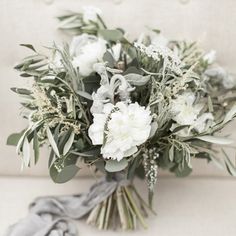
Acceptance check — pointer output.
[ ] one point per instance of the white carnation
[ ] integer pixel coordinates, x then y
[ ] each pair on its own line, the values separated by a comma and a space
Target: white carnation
127, 126
90, 14
87, 50
184, 110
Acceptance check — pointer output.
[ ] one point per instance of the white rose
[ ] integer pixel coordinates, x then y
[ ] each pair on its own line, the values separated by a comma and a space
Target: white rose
90, 14
87, 50
183, 109
127, 127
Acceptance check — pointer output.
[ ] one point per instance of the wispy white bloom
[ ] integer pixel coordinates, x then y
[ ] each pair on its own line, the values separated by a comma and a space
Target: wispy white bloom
160, 52
120, 128
184, 111
210, 57
90, 14
87, 50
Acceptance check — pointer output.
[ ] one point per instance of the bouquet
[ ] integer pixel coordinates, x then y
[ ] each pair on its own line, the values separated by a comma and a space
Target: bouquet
124, 108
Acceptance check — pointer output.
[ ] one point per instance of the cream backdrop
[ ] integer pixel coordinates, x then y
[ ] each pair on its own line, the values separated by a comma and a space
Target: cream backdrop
211, 22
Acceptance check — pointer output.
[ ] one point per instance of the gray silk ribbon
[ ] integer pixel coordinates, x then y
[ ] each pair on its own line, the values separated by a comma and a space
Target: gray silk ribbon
53, 216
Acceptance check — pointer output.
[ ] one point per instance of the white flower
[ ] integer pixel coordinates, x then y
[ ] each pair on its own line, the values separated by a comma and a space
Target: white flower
123, 127
184, 110
87, 50
210, 57
90, 14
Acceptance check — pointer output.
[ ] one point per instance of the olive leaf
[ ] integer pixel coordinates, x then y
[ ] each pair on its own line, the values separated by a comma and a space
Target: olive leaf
69, 143
111, 35
52, 141
216, 140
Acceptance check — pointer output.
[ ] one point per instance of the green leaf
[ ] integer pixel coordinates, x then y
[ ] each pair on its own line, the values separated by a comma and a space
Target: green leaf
26, 152
136, 79
115, 166
30, 46
230, 115
156, 31
60, 173
84, 95
52, 141
177, 129
210, 105
21, 91
171, 153
36, 147
107, 57
13, 139
111, 35
216, 140
229, 165
69, 143
133, 166
183, 172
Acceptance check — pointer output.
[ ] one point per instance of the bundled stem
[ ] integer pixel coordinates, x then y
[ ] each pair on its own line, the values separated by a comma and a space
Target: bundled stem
125, 206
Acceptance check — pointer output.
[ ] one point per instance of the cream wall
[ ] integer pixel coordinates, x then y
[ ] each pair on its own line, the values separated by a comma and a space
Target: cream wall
211, 22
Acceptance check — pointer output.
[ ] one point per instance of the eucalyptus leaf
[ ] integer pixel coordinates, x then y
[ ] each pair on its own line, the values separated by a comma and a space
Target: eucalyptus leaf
107, 57
115, 166
61, 174
13, 139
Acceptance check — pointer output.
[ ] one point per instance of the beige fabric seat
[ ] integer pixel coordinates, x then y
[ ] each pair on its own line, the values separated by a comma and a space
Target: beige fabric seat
203, 204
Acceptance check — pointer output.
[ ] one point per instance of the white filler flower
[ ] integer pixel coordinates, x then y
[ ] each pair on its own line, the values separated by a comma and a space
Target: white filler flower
87, 50
120, 129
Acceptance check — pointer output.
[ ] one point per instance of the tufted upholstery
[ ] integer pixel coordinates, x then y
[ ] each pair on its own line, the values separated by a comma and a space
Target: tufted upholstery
210, 22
